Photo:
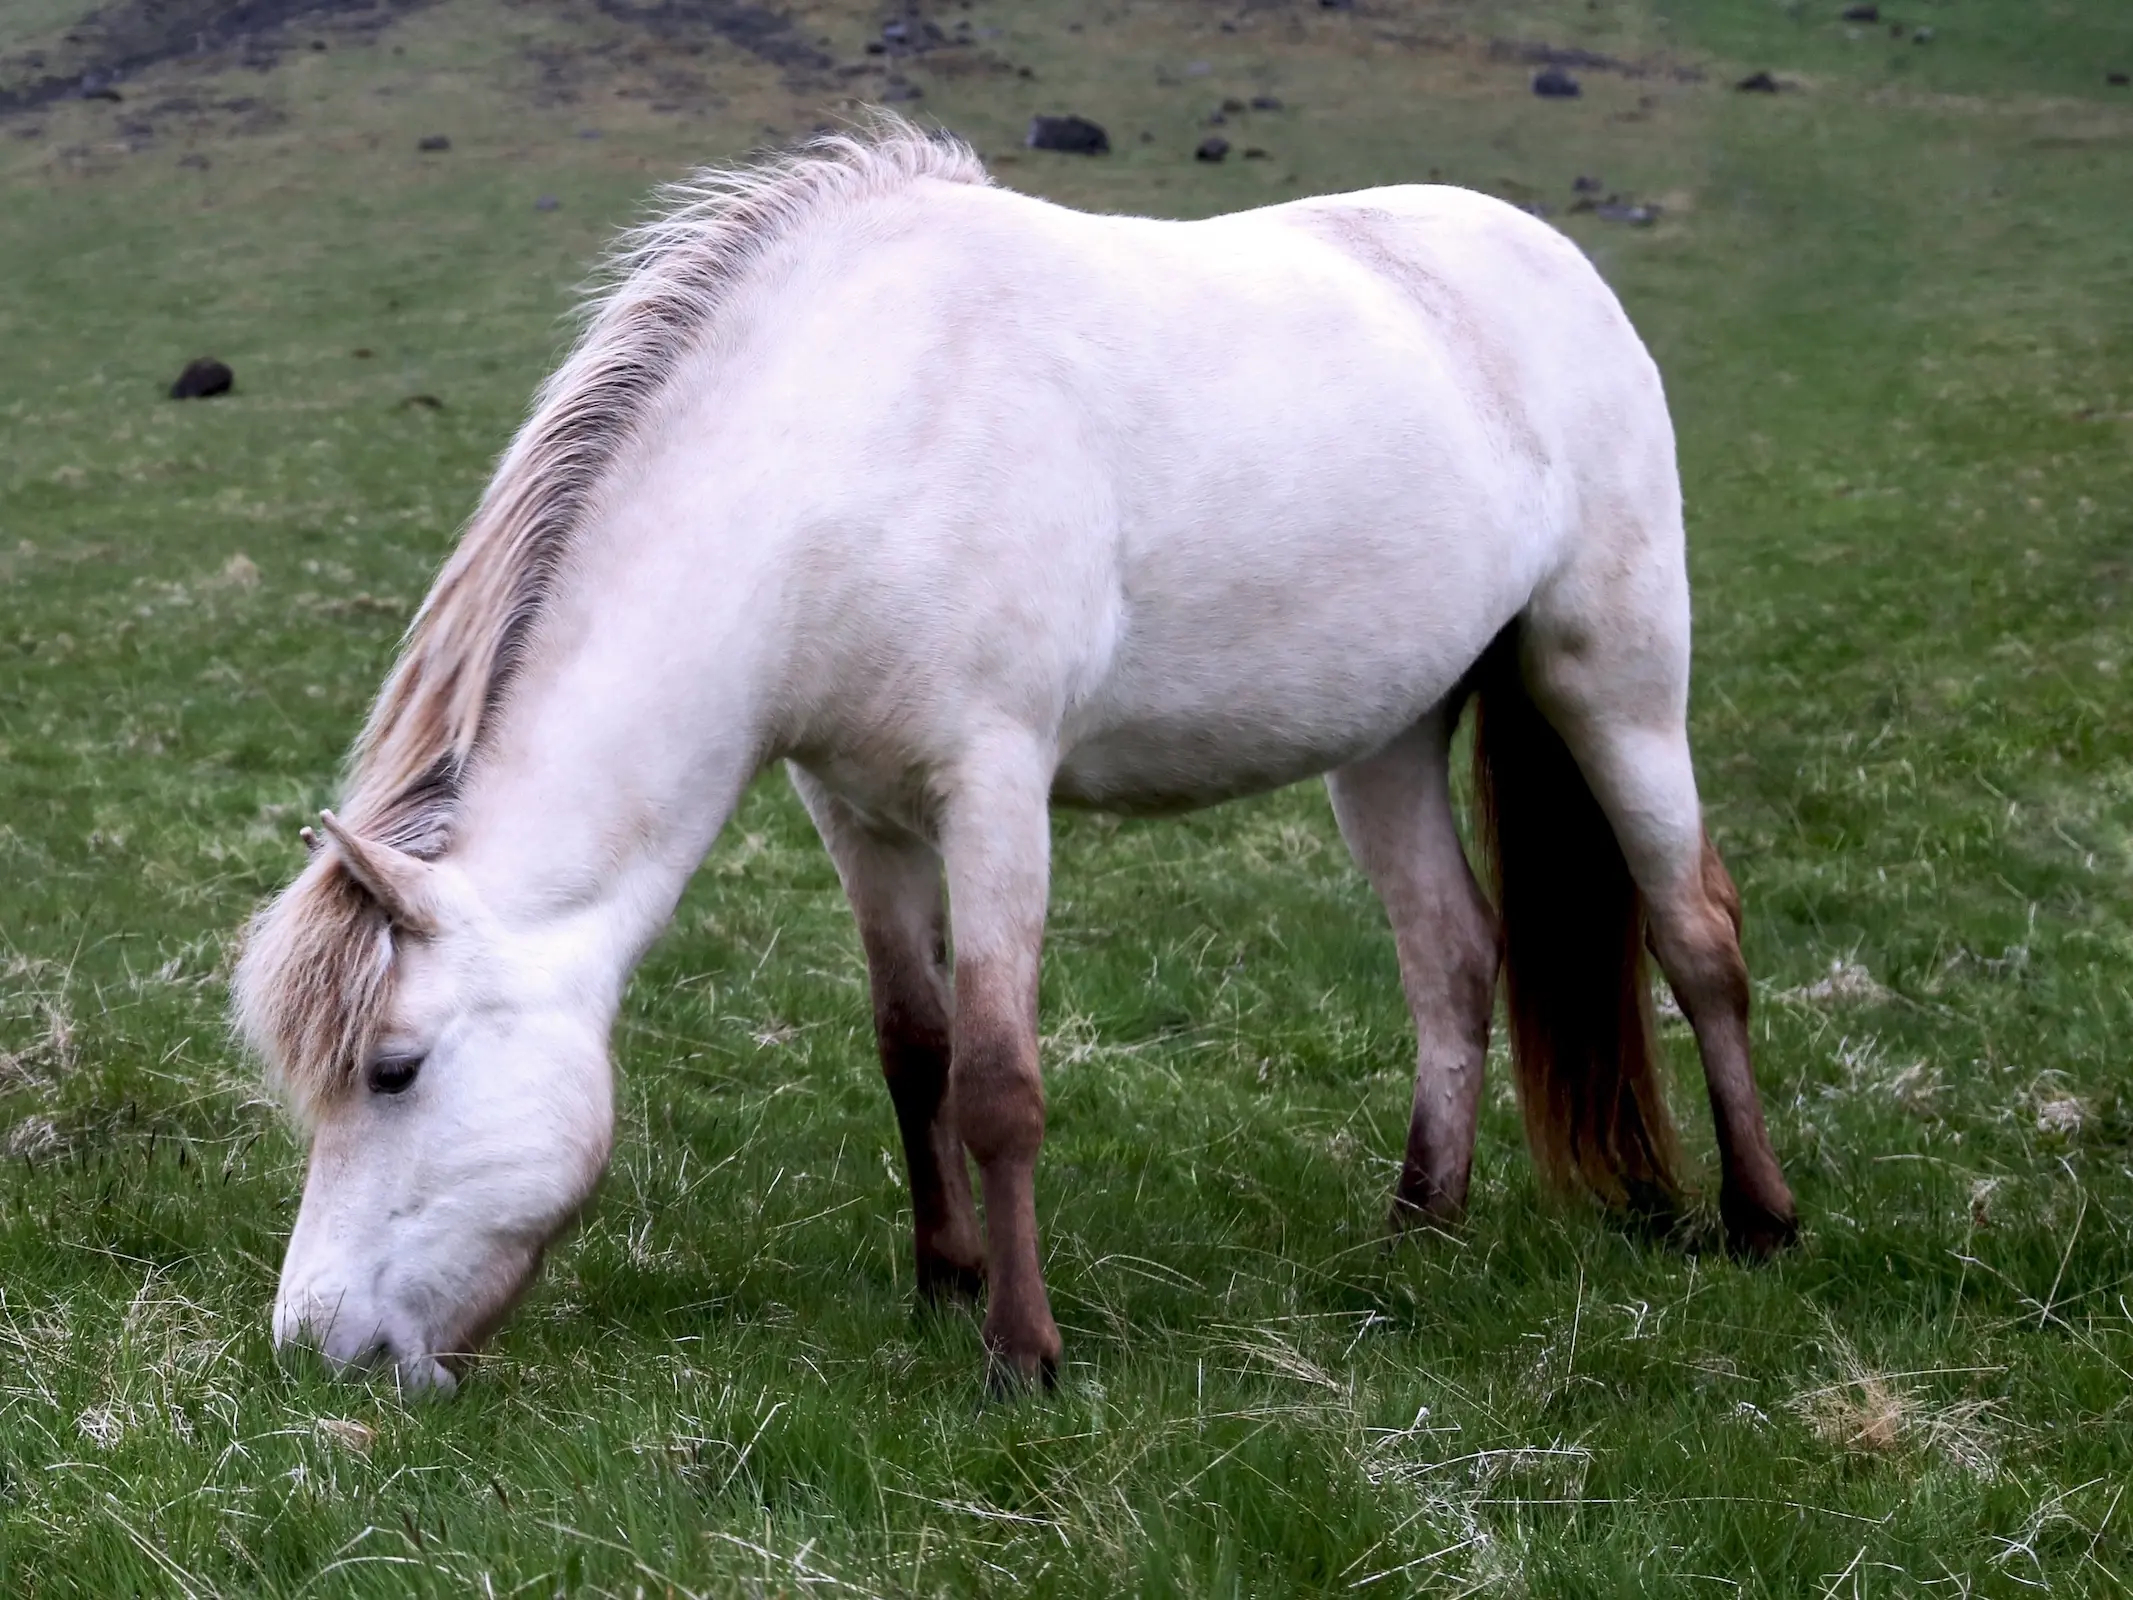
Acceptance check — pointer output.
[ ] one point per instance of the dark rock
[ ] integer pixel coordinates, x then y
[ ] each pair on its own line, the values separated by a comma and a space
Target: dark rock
422, 402
1553, 83
202, 378
1074, 136
1212, 148
1265, 102
1584, 185
2118, 80
1757, 83
1254, 153
433, 141
102, 92
895, 32
1336, 5
1864, 13
547, 202
1232, 105
362, 352
876, 48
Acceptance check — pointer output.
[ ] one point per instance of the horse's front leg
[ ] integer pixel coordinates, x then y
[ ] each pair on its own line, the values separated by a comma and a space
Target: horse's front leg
894, 883
995, 836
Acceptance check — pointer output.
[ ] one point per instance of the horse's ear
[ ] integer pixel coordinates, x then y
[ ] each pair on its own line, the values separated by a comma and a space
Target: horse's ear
404, 885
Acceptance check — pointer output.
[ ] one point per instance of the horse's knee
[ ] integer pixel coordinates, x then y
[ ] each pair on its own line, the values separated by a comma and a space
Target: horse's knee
999, 1105
999, 1095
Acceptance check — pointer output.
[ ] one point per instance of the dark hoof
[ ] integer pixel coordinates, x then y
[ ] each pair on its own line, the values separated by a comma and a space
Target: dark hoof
1654, 1213
1010, 1377
1413, 1218
1754, 1231
942, 1282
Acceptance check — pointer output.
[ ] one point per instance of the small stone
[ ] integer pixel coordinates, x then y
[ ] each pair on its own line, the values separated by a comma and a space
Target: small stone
433, 141
1231, 106
1213, 148
348, 1435
1862, 13
1621, 211
1254, 153
2118, 80
1071, 135
362, 352
1198, 69
1553, 83
422, 402
547, 202
1266, 102
1922, 36
1585, 185
1757, 83
201, 379
2062, 1116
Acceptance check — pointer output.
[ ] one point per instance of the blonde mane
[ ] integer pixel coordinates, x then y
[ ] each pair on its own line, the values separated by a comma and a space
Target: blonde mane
315, 974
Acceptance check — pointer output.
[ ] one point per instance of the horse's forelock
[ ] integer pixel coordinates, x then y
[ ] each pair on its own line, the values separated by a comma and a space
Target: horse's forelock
312, 984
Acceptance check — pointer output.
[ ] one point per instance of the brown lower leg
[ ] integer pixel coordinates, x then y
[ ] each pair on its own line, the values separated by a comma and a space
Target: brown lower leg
1452, 1025
1698, 945
911, 1024
999, 1102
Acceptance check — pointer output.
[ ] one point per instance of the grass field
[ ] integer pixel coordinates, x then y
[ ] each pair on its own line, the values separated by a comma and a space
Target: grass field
1892, 305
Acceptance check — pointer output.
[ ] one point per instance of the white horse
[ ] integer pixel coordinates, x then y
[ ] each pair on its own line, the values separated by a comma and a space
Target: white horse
963, 504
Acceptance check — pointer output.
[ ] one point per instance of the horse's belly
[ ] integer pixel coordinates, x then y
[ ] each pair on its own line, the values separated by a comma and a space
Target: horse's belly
1214, 730
1154, 771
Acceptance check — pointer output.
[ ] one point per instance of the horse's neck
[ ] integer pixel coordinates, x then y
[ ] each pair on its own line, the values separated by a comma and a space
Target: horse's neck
623, 744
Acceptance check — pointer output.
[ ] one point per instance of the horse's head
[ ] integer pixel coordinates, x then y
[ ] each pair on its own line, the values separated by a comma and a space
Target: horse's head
466, 1125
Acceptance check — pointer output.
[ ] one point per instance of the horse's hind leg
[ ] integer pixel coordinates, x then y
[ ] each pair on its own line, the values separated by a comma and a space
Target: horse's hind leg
1618, 695
1395, 811
894, 883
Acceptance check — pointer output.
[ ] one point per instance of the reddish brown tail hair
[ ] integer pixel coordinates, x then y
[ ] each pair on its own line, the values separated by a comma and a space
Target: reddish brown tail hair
1573, 931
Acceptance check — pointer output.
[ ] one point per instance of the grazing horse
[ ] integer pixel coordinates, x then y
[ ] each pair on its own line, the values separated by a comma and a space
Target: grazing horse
963, 505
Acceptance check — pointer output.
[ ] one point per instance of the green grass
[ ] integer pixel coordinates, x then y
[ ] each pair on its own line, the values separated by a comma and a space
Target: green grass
1891, 305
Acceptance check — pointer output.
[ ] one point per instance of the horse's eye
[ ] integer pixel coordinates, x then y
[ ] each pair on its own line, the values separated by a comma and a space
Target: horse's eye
392, 1074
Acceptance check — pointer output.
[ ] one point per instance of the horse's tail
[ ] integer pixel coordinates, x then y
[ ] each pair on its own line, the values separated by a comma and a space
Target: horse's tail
1573, 939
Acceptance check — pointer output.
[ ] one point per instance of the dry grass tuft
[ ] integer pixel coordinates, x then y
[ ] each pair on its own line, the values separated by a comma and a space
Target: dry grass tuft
1846, 983
1870, 1413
